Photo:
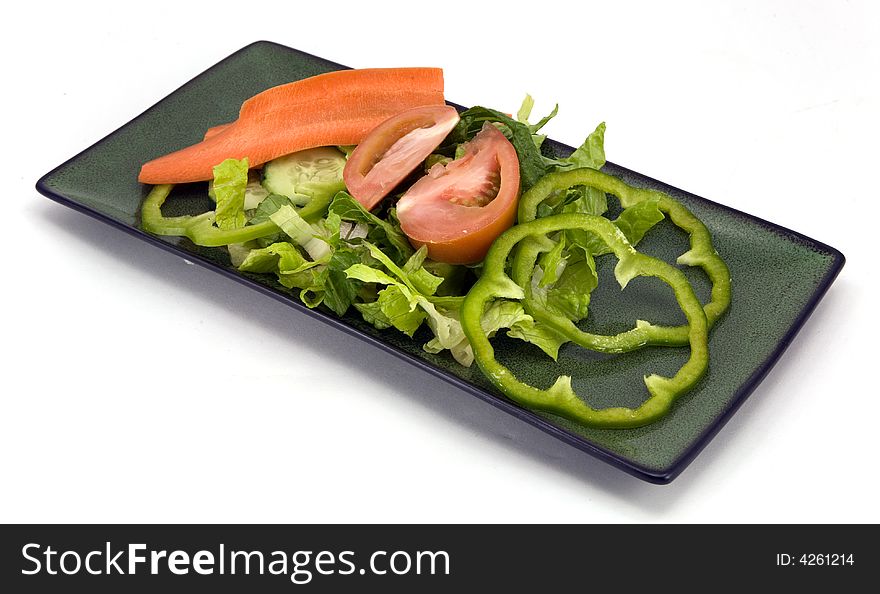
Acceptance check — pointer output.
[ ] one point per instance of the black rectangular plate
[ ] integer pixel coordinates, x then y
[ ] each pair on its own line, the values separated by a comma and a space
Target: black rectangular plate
778, 277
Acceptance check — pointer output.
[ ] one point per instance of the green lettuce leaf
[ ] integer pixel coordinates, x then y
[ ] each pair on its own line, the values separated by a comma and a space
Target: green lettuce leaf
268, 206
499, 315
264, 210
543, 122
570, 294
413, 285
511, 315
564, 278
372, 314
525, 111
238, 252
413, 275
552, 262
339, 290
448, 333
269, 259
381, 232
423, 281
590, 154
400, 310
539, 335
579, 199
313, 238
454, 277
389, 308
393, 308
368, 274
638, 219
586, 201
635, 222
408, 301
293, 270
531, 163
230, 181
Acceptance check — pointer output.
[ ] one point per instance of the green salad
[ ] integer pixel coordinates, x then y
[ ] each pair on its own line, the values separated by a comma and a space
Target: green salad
301, 220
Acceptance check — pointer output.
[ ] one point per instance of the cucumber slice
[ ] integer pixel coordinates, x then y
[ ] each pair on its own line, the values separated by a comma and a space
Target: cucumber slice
306, 175
254, 192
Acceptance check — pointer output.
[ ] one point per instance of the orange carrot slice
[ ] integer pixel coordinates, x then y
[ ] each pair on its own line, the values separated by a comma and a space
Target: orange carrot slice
337, 108
216, 130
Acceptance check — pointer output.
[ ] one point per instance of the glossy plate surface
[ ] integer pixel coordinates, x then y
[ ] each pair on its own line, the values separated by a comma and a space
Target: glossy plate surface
778, 277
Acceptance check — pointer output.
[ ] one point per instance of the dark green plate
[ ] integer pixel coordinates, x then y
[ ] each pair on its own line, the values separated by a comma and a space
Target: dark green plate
778, 277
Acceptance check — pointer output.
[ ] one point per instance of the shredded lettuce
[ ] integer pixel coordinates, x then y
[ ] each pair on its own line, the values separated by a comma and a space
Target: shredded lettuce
381, 232
268, 206
264, 210
304, 234
340, 291
411, 288
525, 111
353, 258
531, 163
292, 269
539, 335
434, 159
589, 154
423, 280
634, 222
281, 257
405, 303
553, 262
501, 314
638, 219
454, 277
569, 292
579, 199
397, 305
230, 181
238, 252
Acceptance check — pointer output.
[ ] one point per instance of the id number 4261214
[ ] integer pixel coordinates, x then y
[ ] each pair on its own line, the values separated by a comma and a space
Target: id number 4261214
815, 559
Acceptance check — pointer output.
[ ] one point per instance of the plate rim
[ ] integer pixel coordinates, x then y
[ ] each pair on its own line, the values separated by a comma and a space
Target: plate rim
652, 475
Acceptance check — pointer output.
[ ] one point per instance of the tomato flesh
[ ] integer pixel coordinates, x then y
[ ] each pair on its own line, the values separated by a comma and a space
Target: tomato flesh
394, 149
457, 210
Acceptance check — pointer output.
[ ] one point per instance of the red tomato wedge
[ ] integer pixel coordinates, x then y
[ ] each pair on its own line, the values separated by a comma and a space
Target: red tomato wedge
459, 209
394, 149
337, 108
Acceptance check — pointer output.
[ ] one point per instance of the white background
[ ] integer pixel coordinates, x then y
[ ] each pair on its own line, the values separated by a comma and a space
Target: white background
139, 389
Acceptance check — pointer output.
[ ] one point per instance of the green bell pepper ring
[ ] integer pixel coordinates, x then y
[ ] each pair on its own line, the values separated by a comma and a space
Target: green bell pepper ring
701, 253
560, 399
199, 228
316, 209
